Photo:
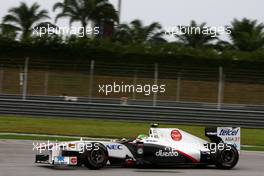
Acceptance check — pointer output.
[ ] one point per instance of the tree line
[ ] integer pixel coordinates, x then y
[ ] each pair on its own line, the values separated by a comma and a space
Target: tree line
246, 35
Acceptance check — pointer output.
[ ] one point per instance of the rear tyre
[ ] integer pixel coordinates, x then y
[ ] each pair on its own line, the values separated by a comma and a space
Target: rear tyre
96, 157
227, 158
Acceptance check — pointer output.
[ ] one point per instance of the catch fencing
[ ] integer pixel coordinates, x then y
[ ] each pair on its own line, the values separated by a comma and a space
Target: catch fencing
220, 85
194, 95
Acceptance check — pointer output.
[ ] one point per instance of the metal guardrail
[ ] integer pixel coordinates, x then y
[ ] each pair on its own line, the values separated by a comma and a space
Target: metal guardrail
176, 114
249, 107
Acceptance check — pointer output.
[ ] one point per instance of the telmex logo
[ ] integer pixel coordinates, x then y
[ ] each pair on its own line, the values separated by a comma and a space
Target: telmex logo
228, 132
114, 147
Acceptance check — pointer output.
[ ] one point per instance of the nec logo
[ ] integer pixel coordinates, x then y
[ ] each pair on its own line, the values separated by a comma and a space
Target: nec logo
114, 147
228, 132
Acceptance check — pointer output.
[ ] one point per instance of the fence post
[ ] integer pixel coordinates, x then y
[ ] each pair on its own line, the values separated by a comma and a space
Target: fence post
220, 88
178, 93
119, 10
155, 83
91, 75
135, 83
46, 82
25, 79
1, 78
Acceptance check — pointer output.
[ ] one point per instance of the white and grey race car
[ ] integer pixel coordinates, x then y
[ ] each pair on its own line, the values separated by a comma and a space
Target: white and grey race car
162, 147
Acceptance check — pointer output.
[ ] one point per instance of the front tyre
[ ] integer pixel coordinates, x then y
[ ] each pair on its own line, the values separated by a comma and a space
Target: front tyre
227, 158
96, 158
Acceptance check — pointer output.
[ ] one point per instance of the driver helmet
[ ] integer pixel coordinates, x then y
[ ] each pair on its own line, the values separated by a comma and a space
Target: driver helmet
142, 136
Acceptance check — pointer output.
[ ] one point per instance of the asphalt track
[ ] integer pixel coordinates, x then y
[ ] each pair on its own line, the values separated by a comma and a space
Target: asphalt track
17, 159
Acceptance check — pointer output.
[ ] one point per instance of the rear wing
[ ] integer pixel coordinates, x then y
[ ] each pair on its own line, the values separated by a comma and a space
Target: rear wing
229, 135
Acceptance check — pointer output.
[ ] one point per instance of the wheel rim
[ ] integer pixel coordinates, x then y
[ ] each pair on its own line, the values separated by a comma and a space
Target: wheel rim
97, 156
228, 156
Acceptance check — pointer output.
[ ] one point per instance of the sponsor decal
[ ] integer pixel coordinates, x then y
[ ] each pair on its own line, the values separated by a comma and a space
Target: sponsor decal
114, 147
167, 152
230, 135
228, 132
162, 153
73, 160
61, 160
176, 135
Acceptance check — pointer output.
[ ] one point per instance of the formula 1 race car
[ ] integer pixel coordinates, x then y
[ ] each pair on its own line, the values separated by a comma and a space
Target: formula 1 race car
162, 147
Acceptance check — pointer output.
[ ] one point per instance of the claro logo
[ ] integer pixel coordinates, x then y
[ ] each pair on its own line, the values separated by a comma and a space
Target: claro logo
228, 132
161, 153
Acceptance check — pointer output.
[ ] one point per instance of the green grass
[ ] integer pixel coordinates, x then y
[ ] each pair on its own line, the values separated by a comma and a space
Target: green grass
254, 148
80, 127
101, 128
